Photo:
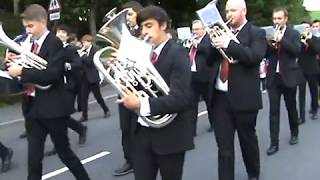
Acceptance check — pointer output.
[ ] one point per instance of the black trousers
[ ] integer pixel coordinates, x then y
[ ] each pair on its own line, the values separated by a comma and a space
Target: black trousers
125, 117
86, 88
3, 150
312, 80
37, 130
74, 125
147, 163
201, 90
289, 94
226, 123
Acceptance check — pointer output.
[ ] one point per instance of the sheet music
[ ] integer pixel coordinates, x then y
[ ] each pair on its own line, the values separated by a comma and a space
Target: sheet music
133, 50
209, 15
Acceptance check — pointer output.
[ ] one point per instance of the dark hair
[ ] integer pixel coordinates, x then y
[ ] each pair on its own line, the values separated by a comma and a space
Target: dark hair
136, 6
64, 27
34, 12
306, 22
154, 12
284, 10
316, 21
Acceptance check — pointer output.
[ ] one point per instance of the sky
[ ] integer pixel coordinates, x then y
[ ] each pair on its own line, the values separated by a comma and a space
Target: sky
312, 5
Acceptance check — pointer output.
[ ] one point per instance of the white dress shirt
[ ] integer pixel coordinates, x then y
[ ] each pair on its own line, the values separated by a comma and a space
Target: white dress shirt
220, 85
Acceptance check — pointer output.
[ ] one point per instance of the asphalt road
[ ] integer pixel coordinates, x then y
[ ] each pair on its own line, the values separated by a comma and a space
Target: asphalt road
103, 152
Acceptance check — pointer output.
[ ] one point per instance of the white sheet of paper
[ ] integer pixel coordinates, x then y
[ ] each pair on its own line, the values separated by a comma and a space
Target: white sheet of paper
184, 33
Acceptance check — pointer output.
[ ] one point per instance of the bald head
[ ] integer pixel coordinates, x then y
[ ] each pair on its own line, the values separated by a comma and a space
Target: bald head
236, 11
240, 3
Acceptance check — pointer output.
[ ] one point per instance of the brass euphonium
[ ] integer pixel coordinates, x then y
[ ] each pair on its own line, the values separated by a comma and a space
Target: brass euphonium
8, 85
137, 74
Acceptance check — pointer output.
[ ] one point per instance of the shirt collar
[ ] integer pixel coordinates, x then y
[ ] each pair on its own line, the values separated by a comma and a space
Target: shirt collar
42, 38
240, 27
159, 48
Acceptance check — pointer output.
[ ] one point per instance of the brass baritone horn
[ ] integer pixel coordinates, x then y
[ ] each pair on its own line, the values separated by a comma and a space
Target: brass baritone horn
132, 68
8, 85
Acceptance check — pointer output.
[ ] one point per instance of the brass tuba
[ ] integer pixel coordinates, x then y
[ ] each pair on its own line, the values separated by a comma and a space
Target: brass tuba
8, 85
138, 74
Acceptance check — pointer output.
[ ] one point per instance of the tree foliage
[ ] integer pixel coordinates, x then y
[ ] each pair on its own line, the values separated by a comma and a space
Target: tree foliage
86, 15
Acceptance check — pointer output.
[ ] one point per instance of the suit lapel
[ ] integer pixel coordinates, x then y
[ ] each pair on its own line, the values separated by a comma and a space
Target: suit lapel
163, 53
243, 35
44, 47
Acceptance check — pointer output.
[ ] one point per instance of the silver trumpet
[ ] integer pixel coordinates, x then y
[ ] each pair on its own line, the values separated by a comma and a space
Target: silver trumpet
216, 27
221, 29
8, 85
188, 42
132, 69
278, 31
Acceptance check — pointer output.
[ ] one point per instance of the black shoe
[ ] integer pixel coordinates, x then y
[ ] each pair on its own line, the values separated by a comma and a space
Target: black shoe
293, 140
83, 119
23, 135
301, 121
125, 169
314, 116
272, 150
210, 129
83, 135
6, 161
107, 114
51, 152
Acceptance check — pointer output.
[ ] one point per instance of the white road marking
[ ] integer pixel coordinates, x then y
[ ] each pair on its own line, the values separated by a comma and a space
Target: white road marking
21, 119
62, 170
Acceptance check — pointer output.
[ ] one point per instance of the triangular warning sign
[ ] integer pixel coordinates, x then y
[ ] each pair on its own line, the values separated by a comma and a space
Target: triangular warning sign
54, 5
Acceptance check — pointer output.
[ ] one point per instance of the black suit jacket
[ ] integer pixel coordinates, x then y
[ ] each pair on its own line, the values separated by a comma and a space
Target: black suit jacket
90, 71
74, 74
243, 82
173, 66
204, 73
307, 59
54, 102
287, 55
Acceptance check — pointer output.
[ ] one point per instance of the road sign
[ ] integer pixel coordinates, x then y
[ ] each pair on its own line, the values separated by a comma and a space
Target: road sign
54, 10
54, 6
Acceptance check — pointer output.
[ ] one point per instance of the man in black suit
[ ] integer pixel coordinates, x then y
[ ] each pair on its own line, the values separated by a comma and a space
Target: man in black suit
47, 104
91, 79
163, 149
310, 68
72, 81
236, 96
283, 76
201, 73
6, 156
126, 115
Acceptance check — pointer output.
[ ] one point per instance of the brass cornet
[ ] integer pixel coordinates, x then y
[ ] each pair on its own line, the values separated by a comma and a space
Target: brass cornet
221, 29
278, 31
305, 36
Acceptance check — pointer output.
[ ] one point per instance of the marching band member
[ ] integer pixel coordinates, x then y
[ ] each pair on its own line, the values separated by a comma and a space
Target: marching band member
236, 96
126, 115
283, 77
46, 110
91, 79
201, 73
310, 68
163, 149
72, 80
